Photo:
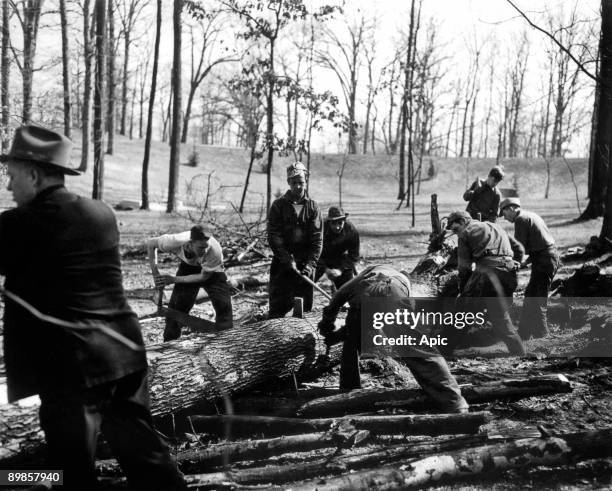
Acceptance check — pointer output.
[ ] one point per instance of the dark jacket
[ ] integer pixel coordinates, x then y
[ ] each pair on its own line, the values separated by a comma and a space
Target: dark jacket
340, 250
60, 253
482, 199
295, 237
531, 231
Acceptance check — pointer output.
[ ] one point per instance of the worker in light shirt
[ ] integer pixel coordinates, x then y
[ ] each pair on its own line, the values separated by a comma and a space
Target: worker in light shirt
201, 265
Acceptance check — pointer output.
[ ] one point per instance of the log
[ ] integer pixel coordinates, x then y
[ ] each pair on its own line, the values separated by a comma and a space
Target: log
415, 399
484, 460
199, 368
422, 424
331, 465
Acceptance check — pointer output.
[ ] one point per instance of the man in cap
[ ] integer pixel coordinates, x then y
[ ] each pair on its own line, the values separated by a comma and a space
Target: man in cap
392, 288
488, 260
85, 357
200, 266
340, 248
294, 235
531, 231
484, 197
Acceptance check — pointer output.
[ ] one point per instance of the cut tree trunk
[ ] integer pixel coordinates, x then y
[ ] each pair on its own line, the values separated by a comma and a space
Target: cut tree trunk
485, 460
197, 369
425, 424
374, 399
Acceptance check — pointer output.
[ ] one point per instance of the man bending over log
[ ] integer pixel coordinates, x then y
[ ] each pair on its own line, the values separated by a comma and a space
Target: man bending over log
294, 235
531, 231
340, 248
201, 265
427, 365
69, 333
488, 261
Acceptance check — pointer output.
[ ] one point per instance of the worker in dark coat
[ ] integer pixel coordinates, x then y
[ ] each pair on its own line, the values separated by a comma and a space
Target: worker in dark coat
59, 252
295, 237
531, 231
392, 288
484, 197
340, 248
488, 261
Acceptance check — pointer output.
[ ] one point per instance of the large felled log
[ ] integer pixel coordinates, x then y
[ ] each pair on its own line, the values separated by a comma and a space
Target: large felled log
484, 460
421, 424
373, 399
200, 368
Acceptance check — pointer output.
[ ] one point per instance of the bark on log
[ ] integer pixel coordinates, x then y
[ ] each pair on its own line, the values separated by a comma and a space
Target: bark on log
332, 465
483, 460
374, 399
199, 368
423, 424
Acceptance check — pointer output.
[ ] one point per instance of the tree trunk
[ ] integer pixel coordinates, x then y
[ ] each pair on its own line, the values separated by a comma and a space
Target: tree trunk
147, 149
31, 18
110, 109
87, 58
410, 424
375, 399
270, 127
477, 461
248, 176
5, 73
124, 81
600, 192
98, 136
175, 138
65, 70
198, 369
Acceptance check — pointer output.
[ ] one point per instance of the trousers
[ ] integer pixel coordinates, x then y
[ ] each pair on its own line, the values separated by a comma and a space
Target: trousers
533, 320
73, 420
286, 284
431, 372
184, 296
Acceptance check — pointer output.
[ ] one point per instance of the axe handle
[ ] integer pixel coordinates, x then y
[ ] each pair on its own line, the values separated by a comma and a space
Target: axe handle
312, 283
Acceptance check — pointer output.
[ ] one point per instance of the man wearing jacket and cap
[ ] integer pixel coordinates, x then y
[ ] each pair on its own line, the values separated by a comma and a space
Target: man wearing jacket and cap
295, 237
384, 284
59, 252
201, 266
484, 197
488, 260
340, 248
531, 231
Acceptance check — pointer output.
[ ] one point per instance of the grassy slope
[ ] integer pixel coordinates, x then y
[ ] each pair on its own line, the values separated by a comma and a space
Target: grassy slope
369, 187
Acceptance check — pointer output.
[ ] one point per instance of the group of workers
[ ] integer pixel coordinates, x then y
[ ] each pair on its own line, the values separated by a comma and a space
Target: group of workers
71, 337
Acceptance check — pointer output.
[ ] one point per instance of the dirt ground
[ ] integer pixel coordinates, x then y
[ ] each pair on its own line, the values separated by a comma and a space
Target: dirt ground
588, 406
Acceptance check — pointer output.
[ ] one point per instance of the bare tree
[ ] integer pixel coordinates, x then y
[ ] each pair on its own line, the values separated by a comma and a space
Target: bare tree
99, 102
65, 69
147, 148
5, 74
603, 138
88, 54
175, 137
129, 12
28, 14
111, 55
344, 58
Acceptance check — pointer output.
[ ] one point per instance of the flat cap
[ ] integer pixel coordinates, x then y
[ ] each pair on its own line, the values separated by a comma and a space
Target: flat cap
296, 169
508, 202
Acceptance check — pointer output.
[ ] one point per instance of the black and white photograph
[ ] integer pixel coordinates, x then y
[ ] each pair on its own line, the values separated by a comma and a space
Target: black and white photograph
305, 245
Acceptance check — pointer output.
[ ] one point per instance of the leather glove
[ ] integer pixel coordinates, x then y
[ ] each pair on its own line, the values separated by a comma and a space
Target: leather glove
307, 271
326, 326
335, 337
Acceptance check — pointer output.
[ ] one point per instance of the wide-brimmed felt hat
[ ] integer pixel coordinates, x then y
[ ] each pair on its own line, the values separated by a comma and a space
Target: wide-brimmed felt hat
40, 145
335, 213
508, 202
455, 216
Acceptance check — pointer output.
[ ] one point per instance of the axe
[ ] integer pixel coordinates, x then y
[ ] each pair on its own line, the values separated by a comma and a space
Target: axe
313, 284
194, 323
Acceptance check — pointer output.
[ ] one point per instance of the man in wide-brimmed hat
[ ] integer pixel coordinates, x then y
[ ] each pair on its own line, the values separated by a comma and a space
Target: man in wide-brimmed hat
340, 253
295, 237
59, 253
531, 231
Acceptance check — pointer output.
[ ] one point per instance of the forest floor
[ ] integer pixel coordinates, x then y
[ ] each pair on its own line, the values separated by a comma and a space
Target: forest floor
387, 236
